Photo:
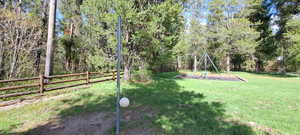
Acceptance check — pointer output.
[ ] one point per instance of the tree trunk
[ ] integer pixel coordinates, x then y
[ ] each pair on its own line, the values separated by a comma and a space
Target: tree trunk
195, 63
282, 67
142, 65
18, 8
127, 72
68, 57
178, 63
1, 60
258, 66
50, 39
71, 31
37, 61
127, 59
191, 64
14, 62
227, 63
44, 14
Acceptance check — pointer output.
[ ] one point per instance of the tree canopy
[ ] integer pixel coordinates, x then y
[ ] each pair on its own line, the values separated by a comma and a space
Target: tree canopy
158, 35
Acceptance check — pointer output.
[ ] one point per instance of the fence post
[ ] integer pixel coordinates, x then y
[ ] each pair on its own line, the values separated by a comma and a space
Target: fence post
114, 75
41, 83
87, 77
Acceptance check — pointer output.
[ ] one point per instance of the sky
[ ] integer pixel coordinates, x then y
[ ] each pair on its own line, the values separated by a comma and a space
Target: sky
59, 17
273, 11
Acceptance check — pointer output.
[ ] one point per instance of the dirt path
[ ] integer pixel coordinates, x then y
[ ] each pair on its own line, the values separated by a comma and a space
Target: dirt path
88, 124
97, 123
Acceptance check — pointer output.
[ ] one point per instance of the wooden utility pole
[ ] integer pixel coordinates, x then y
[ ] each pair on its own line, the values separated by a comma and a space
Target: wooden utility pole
50, 39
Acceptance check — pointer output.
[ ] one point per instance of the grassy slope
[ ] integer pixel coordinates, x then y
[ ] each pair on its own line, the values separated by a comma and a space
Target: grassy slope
182, 106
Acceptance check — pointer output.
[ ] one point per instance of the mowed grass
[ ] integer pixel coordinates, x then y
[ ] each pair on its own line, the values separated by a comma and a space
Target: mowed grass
180, 106
267, 99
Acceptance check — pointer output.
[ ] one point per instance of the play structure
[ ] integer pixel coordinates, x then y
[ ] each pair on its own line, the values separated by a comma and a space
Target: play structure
205, 58
205, 61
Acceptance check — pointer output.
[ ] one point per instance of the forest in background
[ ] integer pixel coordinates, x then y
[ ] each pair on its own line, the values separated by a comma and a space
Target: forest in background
158, 35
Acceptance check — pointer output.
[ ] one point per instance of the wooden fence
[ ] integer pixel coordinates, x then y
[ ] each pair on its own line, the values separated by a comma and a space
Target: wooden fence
43, 81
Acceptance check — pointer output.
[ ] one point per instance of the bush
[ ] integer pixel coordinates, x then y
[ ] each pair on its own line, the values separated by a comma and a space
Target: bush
142, 75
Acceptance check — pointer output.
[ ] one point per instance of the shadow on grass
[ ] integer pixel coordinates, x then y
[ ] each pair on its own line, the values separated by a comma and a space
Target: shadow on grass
159, 107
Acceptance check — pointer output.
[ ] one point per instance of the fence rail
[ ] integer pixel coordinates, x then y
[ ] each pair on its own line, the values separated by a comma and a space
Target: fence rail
45, 81
17, 80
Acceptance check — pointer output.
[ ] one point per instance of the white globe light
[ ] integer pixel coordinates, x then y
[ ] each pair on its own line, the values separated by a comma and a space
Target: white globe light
124, 102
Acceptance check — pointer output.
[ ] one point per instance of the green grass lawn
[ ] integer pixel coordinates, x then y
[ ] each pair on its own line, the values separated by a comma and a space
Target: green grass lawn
266, 103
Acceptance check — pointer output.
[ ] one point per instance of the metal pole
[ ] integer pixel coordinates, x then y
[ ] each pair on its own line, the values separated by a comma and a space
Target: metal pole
205, 65
119, 49
205, 62
213, 64
200, 60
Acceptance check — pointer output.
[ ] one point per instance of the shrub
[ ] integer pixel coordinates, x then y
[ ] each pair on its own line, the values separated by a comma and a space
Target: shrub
142, 75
